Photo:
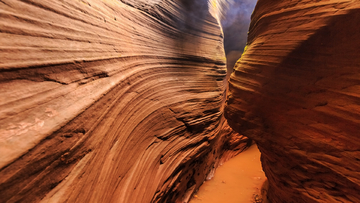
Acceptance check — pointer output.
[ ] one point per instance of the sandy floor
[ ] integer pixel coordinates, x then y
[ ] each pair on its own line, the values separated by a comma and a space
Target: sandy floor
239, 180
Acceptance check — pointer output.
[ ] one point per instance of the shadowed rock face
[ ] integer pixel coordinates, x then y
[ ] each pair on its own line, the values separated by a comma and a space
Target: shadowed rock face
110, 101
295, 91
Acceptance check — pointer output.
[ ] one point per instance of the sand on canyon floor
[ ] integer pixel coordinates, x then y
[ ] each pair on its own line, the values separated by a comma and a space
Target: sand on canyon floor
238, 180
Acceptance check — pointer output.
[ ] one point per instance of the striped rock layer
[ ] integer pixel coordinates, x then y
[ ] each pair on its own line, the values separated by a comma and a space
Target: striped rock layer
296, 92
110, 101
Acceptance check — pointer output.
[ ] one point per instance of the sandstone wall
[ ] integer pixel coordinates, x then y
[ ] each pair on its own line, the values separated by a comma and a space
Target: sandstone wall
110, 101
296, 92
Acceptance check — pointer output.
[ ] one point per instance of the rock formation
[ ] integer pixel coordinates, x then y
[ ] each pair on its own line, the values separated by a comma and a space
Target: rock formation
110, 101
295, 91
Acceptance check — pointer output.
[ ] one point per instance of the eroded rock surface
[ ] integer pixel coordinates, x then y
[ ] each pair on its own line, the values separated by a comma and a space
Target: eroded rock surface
296, 92
110, 101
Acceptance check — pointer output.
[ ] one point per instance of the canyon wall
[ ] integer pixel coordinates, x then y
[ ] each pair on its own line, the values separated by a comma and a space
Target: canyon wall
296, 92
110, 101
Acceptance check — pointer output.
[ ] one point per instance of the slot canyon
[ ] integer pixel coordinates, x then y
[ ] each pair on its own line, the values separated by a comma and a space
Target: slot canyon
137, 101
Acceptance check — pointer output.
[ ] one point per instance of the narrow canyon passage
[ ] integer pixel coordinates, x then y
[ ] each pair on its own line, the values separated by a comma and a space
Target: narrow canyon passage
110, 101
238, 180
124, 101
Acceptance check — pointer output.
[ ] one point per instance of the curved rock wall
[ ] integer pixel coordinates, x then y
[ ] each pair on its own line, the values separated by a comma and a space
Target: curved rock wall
110, 101
295, 91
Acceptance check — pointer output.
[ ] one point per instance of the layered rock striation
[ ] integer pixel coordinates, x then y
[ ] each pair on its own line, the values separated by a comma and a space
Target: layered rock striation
110, 101
295, 91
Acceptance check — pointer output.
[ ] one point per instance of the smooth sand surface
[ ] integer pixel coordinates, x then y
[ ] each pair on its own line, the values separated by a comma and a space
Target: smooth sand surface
238, 180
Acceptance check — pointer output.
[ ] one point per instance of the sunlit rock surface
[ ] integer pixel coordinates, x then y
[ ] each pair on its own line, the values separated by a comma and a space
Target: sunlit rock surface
296, 92
110, 101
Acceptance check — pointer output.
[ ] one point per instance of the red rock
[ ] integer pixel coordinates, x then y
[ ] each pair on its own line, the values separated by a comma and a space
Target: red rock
295, 91
110, 101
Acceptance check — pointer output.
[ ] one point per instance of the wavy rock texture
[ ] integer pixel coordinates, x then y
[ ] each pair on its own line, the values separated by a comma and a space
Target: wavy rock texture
296, 92
110, 101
